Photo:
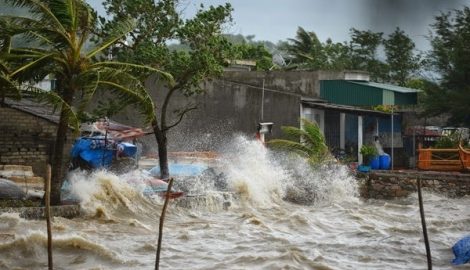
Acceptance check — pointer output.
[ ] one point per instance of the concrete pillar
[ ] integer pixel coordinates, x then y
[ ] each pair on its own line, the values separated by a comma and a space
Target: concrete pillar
377, 126
359, 138
342, 130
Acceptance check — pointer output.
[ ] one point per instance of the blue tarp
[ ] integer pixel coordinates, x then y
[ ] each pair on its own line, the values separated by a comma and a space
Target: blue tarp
92, 151
97, 153
461, 251
180, 169
98, 157
127, 149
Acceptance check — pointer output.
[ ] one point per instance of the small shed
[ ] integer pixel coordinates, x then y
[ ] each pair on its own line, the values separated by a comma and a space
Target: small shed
366, 93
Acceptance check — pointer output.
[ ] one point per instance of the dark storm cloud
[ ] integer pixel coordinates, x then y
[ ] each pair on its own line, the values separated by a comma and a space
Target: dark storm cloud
413, 16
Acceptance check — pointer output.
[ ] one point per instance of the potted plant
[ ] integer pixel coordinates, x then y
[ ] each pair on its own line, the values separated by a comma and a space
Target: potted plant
368, 152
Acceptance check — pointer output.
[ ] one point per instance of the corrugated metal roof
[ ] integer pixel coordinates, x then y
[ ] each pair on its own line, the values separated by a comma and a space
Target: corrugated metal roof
359, 93
390, 87
342, 108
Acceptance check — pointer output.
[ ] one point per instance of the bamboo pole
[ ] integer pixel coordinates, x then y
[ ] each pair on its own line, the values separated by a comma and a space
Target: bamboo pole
48, 217
423, 224
160, 229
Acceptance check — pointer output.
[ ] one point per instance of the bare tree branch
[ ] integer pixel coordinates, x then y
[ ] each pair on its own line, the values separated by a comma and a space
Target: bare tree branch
181, 115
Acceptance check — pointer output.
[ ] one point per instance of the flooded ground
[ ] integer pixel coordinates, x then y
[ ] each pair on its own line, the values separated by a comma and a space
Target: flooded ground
262, 228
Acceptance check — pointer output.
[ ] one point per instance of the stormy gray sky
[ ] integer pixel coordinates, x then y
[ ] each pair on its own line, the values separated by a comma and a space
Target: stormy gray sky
276, 20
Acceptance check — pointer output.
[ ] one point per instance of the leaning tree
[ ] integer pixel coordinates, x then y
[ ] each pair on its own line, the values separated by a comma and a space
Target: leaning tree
158, 24
59, 35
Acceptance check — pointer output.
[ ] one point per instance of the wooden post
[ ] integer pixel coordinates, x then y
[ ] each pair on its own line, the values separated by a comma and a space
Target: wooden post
160, 229
423, 224
48, 217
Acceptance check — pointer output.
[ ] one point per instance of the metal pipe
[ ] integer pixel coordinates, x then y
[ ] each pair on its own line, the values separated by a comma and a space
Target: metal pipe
262, 102
391, 150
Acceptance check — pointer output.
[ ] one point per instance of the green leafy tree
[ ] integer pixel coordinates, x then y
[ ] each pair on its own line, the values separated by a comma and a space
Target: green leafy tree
450, 58
61, 28
159, 23
254, 52
401, 59
307, 142
337, 55
363, 51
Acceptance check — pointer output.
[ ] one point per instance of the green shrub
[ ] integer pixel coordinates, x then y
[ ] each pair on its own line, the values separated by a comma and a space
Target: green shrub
368, 152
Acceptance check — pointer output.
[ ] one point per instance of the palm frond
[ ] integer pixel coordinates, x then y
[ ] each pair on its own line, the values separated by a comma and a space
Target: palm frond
120, 30
308, 142
52, 98
41, 9
9, 88
165, 75
290, 146
64, 11
131, 97
313, 135
31, 64
90, 82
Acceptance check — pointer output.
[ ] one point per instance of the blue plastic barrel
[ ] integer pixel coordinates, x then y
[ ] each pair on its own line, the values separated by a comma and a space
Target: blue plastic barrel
384, 162
375, 163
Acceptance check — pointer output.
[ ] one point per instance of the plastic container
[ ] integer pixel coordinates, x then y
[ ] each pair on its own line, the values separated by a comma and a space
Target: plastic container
363, 168
375, 163
384, 162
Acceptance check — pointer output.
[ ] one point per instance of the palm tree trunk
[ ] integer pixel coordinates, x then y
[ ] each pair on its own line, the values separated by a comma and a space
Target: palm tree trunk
162, 143
58, 157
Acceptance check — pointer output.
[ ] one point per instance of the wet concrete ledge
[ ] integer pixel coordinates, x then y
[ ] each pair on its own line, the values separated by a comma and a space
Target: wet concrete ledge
396, 184
65, 211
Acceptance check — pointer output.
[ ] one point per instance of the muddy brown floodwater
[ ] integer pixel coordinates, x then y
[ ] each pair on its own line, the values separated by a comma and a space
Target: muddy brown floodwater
259, 230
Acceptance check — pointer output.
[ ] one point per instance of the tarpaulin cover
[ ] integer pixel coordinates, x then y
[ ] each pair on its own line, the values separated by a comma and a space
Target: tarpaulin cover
98, 157
180, 169
92, 151
126, 149
461, 251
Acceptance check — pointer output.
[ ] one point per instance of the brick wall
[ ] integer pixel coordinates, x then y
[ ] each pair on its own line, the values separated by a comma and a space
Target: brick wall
26, 139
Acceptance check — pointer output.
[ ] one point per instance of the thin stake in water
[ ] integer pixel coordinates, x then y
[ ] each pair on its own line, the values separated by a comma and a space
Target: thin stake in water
423, 224
162, 218
48, 217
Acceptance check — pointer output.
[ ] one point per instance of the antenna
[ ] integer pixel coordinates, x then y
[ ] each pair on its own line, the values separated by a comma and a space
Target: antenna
279, 60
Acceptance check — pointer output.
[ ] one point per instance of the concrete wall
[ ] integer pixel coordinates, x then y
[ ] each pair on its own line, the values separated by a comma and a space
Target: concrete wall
228, 108
304, 83
26, 139
389, 185
232, 105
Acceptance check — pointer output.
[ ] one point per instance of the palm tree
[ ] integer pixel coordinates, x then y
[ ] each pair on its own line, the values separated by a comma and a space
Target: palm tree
8, 87
307, 142
306, 48
59, 34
